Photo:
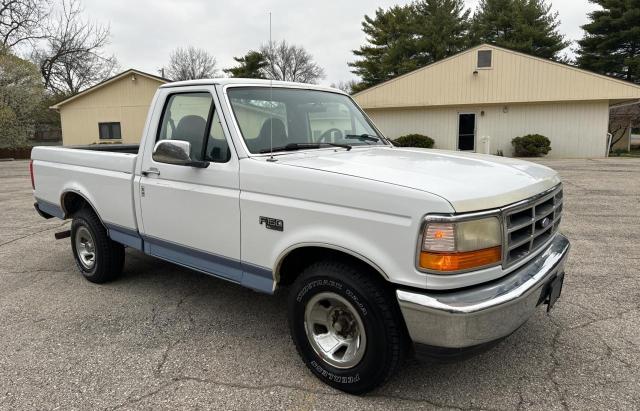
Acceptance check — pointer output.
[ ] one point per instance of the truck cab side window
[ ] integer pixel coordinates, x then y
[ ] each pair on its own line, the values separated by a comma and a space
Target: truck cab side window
185, 118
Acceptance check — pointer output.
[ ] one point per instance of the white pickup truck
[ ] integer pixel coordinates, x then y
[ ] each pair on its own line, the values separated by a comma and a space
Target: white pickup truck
281, 185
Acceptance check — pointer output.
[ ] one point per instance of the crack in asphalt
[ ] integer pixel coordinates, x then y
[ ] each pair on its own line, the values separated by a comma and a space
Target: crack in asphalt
559, 387
171, 344
131, 401
555, 361
35, 271
597, 320
32, 234
166, 354
262, 387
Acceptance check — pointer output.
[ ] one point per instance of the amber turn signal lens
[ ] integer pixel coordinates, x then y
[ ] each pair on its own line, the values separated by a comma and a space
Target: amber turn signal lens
460, 261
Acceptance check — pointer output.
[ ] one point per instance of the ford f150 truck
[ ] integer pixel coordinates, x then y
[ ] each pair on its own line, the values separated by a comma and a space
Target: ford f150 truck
282, 185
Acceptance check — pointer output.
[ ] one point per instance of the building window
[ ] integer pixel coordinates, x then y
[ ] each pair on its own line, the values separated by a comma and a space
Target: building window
484, 58
109, 131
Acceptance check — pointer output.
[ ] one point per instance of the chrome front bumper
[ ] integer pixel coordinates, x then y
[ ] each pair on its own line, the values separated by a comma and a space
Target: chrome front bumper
486, 312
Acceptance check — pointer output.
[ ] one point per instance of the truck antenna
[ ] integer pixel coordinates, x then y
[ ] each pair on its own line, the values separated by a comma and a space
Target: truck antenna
272, 158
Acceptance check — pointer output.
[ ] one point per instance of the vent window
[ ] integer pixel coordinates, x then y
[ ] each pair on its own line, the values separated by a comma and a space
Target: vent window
484, 58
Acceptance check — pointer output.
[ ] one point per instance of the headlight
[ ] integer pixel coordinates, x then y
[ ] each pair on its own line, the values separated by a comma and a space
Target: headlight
461, 245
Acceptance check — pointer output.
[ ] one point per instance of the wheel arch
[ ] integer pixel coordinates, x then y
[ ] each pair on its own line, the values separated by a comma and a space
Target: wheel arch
72, 200
291, 261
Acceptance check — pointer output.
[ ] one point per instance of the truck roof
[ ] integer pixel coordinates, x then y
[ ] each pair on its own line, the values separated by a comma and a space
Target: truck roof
249, 81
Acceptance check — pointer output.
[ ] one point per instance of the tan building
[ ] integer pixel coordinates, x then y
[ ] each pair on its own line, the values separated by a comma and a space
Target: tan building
113, 111
482, 98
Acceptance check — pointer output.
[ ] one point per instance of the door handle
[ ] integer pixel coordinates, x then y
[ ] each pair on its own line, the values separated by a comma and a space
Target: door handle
152, 170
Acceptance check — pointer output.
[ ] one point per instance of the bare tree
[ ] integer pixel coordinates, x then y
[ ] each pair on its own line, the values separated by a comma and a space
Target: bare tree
21, 21
346, 86
191, 63
289, 62
73, 56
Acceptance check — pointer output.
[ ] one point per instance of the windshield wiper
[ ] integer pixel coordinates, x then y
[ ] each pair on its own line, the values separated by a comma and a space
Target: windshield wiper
362, 137
303, 146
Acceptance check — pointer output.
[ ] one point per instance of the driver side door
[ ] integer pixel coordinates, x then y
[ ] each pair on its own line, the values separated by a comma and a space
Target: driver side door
191, 215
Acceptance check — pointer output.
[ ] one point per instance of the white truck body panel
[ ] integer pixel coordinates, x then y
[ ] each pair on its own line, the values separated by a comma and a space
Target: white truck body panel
376, 221
369, 202
293, 187
469, 181
102, 178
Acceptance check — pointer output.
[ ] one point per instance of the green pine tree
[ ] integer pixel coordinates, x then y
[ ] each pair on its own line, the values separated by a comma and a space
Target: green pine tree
442, 27
390, 50
250, 66
404, 38
611, 44
529, 26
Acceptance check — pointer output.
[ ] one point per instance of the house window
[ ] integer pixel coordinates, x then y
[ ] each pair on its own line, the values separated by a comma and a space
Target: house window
109, 131
484, 58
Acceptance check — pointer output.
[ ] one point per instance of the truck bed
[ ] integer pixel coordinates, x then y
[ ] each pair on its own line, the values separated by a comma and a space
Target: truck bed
102, 173
111, 148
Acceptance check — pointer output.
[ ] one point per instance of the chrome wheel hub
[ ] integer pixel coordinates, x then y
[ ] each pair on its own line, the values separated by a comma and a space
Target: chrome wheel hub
335, 330
85, 248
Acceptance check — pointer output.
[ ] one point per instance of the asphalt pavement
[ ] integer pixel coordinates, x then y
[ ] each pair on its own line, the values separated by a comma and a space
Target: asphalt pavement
164, 337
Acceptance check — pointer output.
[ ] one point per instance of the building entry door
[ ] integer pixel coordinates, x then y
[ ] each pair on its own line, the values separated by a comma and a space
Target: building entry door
467, 131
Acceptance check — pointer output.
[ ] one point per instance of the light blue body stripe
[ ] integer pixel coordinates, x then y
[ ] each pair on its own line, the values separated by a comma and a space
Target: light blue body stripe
248, 275
50, 208
125, 236
257, 278
211, 263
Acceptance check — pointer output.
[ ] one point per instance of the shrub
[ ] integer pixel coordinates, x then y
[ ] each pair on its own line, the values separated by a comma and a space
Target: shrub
414, 140
617, 152
15, 152
531, 145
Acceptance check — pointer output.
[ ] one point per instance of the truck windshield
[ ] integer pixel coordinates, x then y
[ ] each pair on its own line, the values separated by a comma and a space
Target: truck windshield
282, 117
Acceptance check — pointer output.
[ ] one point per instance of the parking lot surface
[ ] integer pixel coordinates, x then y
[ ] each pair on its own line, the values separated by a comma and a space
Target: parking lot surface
166, 337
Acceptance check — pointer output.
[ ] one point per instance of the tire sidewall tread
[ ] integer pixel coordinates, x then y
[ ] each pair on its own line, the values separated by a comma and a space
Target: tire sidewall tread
109, 259
371, 297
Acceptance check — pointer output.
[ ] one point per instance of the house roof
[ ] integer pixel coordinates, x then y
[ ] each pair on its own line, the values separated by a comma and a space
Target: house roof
513, 78
109, 81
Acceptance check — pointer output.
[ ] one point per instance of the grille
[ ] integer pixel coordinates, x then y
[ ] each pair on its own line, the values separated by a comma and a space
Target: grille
531, 224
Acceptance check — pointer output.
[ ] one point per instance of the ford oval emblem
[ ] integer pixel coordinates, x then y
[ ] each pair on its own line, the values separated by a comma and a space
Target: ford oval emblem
545, 222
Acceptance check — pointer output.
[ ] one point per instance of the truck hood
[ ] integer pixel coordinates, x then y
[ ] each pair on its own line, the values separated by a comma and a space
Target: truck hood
469, 181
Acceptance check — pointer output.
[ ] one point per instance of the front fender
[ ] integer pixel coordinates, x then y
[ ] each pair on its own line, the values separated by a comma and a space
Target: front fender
284, 254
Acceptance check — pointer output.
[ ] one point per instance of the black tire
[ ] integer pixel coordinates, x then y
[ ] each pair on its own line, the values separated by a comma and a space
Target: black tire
108, 255
386, 339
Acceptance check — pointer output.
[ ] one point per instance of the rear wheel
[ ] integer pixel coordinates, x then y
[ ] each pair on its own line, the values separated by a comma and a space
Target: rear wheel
346, 326
98, 258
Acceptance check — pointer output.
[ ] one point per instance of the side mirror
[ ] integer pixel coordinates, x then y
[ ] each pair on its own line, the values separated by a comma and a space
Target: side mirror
176, 152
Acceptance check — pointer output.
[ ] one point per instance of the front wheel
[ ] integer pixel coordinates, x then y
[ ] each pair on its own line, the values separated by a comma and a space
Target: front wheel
346, 326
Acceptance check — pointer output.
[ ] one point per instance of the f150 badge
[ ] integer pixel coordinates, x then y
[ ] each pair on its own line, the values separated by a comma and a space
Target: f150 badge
272, 223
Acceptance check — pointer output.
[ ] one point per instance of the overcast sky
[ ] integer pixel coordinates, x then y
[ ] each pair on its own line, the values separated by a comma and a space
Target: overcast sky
145, 31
